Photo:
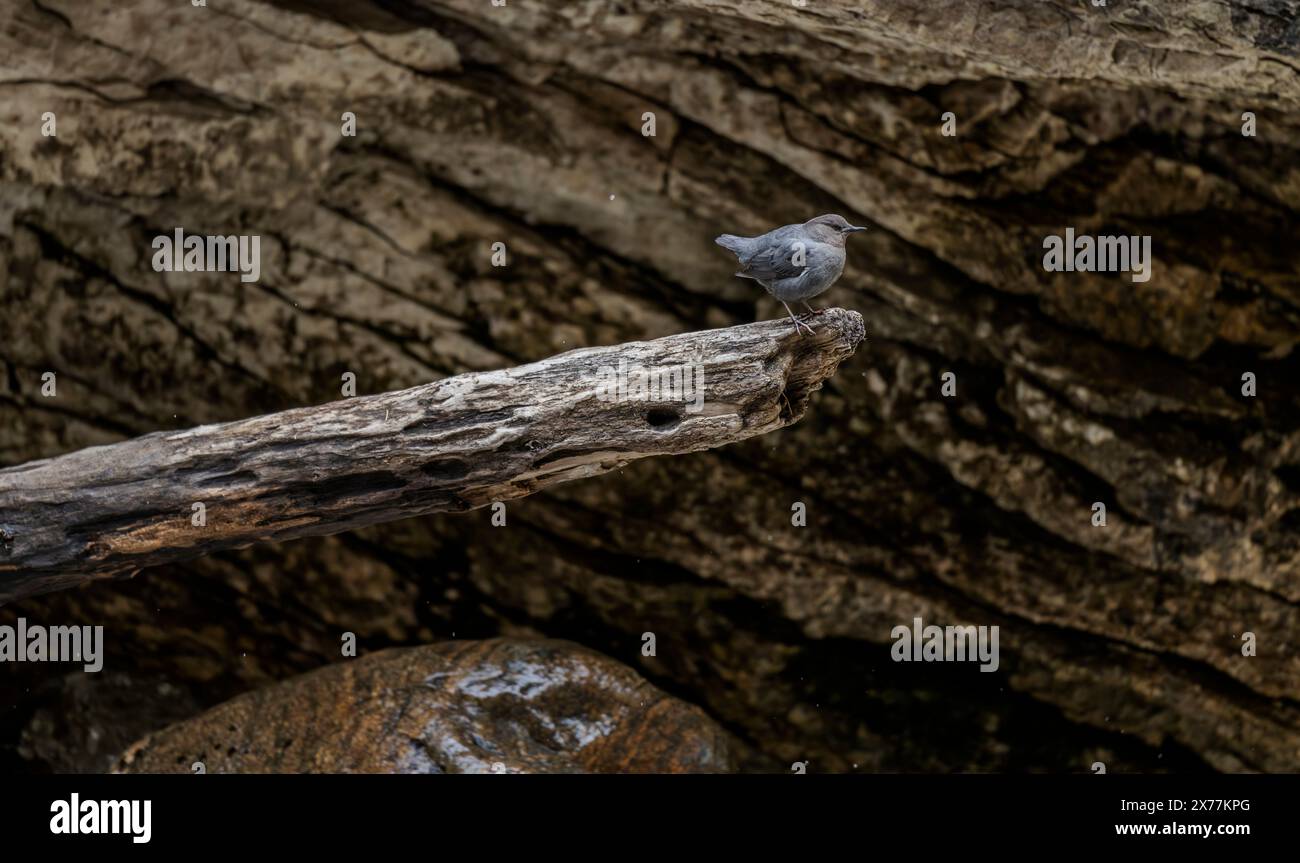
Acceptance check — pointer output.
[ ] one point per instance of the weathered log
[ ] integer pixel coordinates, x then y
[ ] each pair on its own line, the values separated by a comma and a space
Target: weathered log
452, 445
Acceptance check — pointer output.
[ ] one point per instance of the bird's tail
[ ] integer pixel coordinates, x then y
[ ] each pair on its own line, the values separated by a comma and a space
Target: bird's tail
732, 242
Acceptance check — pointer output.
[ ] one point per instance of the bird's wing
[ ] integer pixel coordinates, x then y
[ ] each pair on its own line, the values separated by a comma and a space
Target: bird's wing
776, 261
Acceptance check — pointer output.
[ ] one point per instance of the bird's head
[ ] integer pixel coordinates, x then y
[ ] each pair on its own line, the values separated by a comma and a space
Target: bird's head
833, 225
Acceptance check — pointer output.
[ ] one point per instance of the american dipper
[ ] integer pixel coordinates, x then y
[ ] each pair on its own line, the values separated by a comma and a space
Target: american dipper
794, 262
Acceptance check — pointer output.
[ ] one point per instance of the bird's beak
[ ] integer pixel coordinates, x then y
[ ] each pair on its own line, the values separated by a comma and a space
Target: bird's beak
853, 230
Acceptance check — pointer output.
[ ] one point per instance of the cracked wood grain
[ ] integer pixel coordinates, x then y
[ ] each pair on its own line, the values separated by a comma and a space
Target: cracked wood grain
452, 445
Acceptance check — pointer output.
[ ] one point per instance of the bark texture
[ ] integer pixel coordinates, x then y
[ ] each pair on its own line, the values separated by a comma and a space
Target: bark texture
451, 446
522, 125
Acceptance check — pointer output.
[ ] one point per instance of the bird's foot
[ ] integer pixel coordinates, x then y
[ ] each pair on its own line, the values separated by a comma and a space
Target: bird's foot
798, 323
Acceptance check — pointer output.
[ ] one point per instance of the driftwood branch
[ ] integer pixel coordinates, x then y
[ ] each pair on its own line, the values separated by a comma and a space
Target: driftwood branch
453, 445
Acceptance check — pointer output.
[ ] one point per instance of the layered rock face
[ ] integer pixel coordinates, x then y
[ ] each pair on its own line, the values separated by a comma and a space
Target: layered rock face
523, 125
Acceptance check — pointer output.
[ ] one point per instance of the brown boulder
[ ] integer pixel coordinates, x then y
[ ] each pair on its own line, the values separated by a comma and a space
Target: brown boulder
502, 705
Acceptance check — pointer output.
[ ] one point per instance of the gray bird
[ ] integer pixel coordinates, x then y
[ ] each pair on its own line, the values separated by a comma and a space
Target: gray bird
794, 262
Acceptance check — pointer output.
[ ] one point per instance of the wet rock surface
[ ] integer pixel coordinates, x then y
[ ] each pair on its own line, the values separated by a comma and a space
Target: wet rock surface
497, 706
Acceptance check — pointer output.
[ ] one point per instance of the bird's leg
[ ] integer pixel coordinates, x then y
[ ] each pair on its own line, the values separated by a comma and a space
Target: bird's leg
797, 323
811, 310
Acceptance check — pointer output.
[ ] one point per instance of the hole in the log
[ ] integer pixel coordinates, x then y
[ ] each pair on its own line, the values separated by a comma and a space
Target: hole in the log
564, 454
434, 498
113, 522
330, 491
559, 455
6, 540
446, 469
663, 418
